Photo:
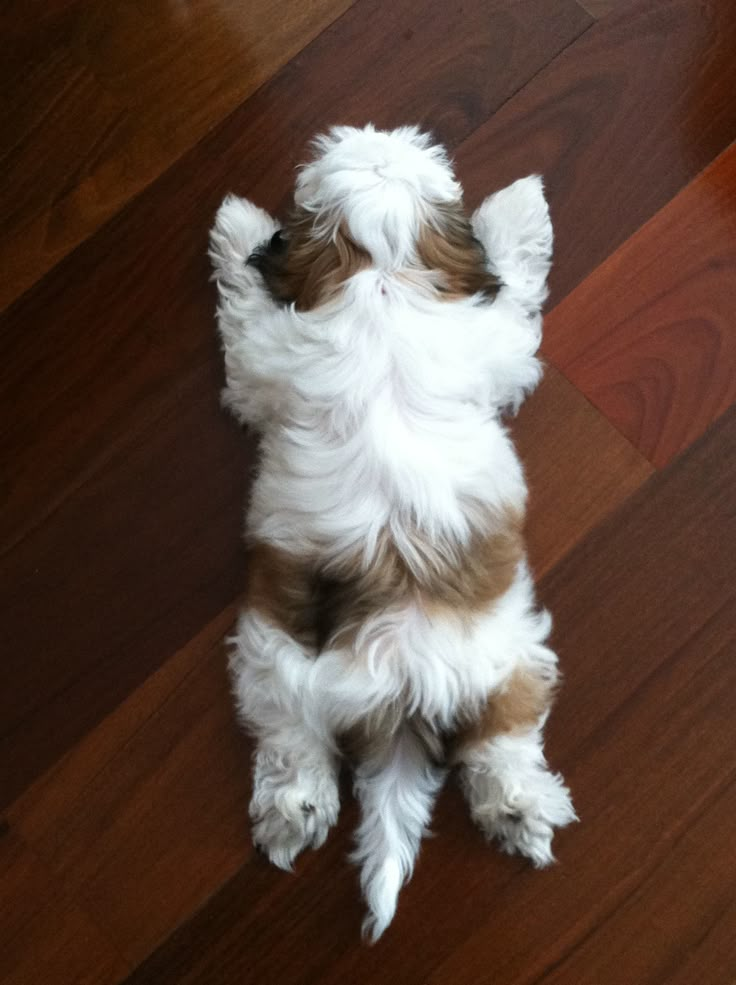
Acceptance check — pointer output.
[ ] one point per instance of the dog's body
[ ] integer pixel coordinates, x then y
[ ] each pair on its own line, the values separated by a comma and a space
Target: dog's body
390, 614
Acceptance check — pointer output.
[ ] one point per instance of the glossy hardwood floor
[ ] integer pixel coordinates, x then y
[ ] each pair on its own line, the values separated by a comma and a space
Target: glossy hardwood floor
124, 781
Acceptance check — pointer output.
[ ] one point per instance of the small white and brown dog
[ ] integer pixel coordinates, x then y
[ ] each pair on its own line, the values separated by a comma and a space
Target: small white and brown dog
374, 340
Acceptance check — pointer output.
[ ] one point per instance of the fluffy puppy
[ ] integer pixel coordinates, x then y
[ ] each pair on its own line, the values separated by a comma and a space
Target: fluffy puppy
374, 340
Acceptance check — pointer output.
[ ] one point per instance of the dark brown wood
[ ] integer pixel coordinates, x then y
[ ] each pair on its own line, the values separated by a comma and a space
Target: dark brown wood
644, 731
110, 95
124, 482
650, 337
602, 8
578, 468
618, 124
153, 804
45, 935
117, 577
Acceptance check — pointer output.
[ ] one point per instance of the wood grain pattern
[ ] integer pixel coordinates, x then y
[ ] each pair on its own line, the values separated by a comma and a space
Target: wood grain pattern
45, 936
152, 805
602, 8
124, 488
578, 469
620, 122
117, 578
644, 732
112, 94
649, 337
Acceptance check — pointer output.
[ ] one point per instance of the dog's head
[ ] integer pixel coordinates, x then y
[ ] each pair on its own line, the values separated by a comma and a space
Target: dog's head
374, 199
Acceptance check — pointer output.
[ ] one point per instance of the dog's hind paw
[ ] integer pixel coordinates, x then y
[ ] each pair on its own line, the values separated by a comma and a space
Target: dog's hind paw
291, 816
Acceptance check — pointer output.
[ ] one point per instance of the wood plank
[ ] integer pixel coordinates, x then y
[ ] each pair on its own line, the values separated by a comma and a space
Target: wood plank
579, 469
649, 336
618, 124
147, 816
44, 935
686, 894
106, 588
100, 98
603, 8
124, 486
644, 731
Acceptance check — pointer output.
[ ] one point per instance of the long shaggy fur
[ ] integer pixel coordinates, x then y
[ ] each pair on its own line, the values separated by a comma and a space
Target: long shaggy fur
375, 340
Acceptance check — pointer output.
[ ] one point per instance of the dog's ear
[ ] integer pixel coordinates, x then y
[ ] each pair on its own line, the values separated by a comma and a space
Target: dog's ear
304, 266
448, 247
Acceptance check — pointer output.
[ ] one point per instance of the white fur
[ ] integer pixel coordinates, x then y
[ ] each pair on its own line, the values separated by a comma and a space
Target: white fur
380, 184
514, 797
380, 410
396, 796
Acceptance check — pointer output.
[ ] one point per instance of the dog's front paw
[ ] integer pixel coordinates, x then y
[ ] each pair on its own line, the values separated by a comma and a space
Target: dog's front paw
523, 819
516, 231
293, 814
240, 226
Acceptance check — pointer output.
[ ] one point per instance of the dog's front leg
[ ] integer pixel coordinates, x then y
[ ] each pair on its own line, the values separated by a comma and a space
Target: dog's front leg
515, 229
247, 317
240, 227
295, 794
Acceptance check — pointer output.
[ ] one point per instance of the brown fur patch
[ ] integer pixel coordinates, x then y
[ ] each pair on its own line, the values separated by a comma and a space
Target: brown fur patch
372, 739
449, 247
372, 736
306, 268
282, 588
317, 603
516, 706
443, 578
315, 607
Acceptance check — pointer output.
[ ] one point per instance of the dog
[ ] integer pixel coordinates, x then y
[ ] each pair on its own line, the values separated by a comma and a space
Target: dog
375, 340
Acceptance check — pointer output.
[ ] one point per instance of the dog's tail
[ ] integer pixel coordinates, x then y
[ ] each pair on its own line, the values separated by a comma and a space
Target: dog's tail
516, 232
396, 792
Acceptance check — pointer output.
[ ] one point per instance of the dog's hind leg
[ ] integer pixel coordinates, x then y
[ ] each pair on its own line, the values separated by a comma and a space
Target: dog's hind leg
295, 797
514, 797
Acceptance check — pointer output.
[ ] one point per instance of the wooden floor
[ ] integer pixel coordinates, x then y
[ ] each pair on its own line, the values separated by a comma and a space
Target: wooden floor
124, 844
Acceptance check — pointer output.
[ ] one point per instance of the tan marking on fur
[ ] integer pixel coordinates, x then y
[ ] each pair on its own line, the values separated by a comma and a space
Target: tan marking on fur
282, 588
318, 603
313, 267
515, 707
372, 738
442, 578
447, 245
